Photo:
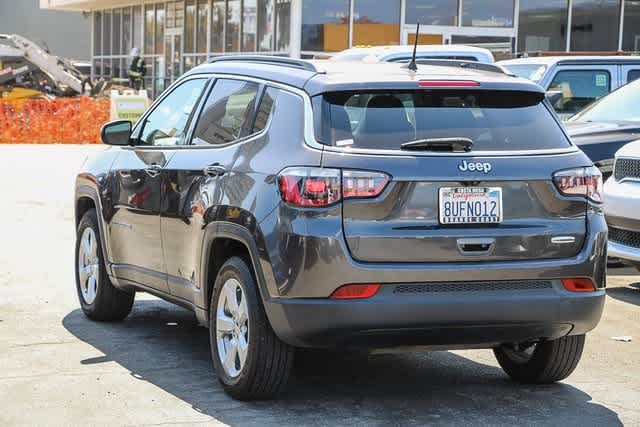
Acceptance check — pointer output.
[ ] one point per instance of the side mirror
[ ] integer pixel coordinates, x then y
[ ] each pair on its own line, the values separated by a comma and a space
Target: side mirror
553, 96
117, 133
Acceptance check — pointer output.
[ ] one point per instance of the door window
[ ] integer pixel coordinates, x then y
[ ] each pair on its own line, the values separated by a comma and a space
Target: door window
167, 123
579, 88
228, 113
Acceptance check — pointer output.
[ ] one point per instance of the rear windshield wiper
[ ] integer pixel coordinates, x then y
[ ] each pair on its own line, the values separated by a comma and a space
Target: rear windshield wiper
453, 145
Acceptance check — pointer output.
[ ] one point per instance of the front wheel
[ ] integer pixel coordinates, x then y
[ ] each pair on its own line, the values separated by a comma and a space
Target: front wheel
99, 299
250, 360
541, 363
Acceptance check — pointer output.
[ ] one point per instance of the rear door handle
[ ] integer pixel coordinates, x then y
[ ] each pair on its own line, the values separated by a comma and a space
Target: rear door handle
215, 170
153, 170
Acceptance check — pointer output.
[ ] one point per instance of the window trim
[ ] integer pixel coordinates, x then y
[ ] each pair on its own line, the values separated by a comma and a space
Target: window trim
310, 142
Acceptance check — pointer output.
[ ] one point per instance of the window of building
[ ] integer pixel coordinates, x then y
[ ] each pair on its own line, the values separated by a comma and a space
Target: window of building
543, 25
137, 27
203, 21
117, 31
266, 10
166, 125
249, 25
126, 31
631, 29
149, 22
325, 25
594, 25
283, 25
97, 34
106, 33
228, 113
579, 88
266, 107
190, 26
217, 26
487, 13
432, 12
376, 23
233, 26
160, 23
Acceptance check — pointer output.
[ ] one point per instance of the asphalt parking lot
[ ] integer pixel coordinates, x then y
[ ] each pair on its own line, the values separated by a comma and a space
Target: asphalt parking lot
58, 368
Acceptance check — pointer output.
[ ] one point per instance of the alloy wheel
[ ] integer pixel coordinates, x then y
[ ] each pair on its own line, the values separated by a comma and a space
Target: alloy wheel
88, 265
232, 327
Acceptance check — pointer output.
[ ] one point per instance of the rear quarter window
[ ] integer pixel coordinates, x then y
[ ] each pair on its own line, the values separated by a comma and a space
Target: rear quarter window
383, 120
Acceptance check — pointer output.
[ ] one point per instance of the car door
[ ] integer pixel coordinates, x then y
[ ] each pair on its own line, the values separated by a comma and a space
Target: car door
137, 186
196, 176
580, 86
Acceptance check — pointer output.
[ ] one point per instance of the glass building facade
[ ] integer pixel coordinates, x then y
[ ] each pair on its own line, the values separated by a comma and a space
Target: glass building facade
175, 36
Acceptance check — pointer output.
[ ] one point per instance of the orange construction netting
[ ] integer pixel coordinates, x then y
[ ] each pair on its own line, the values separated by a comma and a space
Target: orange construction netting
57, 121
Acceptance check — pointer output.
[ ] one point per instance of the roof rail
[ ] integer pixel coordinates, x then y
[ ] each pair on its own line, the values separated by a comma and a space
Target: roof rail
472, 65
265, 59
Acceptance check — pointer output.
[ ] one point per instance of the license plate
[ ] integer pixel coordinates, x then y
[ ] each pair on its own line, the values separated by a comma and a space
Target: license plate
470, 205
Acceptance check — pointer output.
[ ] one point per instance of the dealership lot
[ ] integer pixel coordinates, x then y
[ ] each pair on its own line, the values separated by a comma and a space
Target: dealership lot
56, 367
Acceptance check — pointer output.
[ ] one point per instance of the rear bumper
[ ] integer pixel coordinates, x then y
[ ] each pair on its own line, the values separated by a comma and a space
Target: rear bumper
481, 320
301, 313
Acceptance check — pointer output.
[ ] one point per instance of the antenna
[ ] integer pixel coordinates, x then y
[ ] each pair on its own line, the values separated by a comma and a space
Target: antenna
412, 65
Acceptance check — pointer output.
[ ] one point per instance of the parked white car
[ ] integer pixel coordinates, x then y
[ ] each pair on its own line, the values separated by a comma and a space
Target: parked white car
622, 205
405, 52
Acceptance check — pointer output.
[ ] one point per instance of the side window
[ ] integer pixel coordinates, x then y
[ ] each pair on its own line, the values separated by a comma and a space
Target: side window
166, 124
579, 88
228, 113
633, 75
266, 108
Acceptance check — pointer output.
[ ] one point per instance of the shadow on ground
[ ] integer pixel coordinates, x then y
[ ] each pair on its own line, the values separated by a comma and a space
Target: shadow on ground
163, 345
629, 294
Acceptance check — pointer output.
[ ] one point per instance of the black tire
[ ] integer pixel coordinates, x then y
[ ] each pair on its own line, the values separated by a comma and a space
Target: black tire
550, 361
110, 303
269, 361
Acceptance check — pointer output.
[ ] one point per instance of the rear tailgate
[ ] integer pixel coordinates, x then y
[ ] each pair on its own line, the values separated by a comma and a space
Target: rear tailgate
403, 224
495, 202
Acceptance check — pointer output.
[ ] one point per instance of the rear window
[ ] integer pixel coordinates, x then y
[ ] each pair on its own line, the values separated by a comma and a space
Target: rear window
494, 121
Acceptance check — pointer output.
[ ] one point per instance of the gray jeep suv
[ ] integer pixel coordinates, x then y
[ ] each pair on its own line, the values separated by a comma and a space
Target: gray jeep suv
296, 204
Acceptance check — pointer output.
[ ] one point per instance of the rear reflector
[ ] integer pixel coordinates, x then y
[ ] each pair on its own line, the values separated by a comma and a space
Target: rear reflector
578, 285
358, 291
448, 83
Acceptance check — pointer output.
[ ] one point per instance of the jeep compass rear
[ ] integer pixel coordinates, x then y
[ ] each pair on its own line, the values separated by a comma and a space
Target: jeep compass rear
378, 208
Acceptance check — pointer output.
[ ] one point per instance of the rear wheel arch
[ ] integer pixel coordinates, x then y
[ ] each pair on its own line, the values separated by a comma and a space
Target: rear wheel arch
222, 242
83, 205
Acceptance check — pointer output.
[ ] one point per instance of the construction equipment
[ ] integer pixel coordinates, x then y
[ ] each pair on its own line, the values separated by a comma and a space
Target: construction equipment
25, 64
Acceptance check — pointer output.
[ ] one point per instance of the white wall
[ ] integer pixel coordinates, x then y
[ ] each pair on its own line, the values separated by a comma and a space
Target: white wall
67, 34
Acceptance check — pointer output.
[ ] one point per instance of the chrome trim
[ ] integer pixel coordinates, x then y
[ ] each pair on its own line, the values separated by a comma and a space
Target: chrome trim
561, 240
309, 128
621, 251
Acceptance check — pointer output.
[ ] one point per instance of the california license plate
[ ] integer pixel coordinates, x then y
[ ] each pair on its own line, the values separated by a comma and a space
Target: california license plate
470, 205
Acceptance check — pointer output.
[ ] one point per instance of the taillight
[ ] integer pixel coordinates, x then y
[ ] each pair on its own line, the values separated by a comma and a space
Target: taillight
319, 187
448, 83
586, 182
310, 187
357, 184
